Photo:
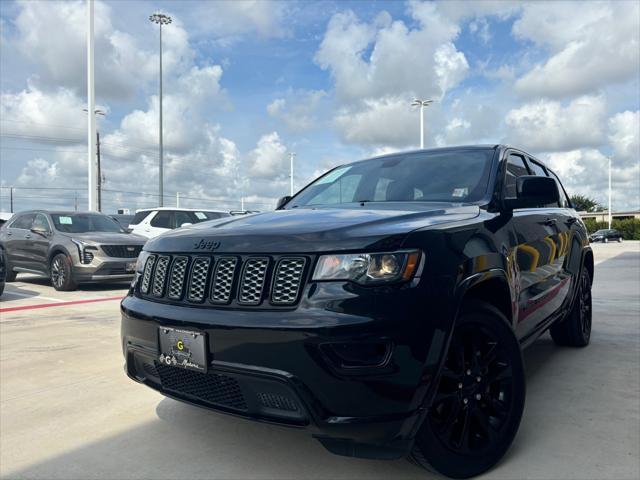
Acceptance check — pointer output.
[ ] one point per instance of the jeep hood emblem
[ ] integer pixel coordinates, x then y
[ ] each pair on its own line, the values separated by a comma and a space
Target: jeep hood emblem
206, 245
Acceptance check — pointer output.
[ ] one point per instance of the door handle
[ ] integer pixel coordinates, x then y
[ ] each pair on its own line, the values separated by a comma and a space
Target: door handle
27, 236
9, 234
550, 222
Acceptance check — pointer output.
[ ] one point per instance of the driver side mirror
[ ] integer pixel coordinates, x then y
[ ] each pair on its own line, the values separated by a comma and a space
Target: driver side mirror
186, 224
282, 201
40, 231
533, 191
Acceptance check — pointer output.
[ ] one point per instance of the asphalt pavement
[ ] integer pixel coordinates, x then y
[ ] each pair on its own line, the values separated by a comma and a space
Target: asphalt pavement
68, 411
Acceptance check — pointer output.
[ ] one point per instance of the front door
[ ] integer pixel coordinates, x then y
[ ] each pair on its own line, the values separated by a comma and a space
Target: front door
538, 254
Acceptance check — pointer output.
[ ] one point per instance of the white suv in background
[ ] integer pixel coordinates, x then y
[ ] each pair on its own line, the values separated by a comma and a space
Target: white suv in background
154, 221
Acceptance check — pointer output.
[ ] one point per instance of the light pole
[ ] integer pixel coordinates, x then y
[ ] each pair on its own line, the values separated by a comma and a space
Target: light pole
91, 119
292, 155
160, 19
421, 103
609, 216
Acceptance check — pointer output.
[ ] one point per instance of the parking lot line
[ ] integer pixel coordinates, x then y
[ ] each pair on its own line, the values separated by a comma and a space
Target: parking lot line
60, 304
35, 297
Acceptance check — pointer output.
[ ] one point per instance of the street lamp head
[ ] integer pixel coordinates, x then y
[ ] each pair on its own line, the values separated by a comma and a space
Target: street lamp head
160, 18
421, 103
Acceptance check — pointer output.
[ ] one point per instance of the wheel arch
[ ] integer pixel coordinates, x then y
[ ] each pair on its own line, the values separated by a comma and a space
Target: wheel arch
55, 250
490, 287
588, 262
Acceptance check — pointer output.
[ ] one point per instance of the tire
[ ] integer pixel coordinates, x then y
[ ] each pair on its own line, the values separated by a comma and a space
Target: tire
606, 240
619, 239
61, 273
575, 329
10, 275
1, 288
479, 400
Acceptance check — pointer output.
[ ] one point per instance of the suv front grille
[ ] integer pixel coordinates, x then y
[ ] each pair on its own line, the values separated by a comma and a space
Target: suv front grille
225, 279
122, 251
287, 280
252, 283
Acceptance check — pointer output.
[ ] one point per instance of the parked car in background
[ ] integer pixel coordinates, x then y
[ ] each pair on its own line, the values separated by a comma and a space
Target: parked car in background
383, 308
3, 274
4, 217
606, 236
68, 247
154, 221
123, 219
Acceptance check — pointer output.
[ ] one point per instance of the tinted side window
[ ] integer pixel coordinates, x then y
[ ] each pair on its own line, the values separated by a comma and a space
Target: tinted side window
41, 222
23, 221
138, 217
183, 217
515, 168
163, 219
564, 199
537, 169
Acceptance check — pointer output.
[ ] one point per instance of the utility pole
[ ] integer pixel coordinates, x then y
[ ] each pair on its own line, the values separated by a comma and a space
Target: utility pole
11, 198
291, 157
75, 200
99, 172
160, 19
422, 104
91, 100
609, 216
177, 199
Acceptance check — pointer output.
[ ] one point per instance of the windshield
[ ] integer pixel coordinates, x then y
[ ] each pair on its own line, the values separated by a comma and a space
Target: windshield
445, 176
85, 222
601, 231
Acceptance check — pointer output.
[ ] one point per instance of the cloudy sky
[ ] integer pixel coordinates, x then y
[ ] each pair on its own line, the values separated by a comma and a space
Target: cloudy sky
248, 82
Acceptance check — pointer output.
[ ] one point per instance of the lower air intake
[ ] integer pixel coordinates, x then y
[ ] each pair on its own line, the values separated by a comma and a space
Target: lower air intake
213, 388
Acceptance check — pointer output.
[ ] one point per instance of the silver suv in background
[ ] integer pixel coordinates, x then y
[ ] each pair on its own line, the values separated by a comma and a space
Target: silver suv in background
69, 247
155, 221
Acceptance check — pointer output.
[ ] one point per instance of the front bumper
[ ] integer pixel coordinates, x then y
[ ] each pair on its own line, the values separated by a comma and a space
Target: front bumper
280, 363
102, 270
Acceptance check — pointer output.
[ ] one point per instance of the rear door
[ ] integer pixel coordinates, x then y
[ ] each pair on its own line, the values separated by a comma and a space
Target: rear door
17, 235
162, 221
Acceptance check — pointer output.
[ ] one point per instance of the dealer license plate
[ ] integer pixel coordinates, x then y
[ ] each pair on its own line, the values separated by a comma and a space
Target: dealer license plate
182, 348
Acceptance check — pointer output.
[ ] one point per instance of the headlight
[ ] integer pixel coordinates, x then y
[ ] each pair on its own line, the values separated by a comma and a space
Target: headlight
368, 268
83, 247
142, 259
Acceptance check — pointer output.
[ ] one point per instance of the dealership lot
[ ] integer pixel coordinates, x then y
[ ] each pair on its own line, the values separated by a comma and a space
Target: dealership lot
67, 409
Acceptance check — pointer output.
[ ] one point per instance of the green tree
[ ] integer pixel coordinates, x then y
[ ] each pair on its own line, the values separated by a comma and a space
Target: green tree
583, 203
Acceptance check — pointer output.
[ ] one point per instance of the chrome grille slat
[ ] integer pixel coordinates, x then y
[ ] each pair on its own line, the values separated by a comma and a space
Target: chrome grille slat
198, 280
176, 282
146, 275
222, 282
252, 282
160, 276
287, 281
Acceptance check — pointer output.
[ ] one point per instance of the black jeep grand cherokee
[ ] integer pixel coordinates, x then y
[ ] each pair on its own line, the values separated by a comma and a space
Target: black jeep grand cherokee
383, 308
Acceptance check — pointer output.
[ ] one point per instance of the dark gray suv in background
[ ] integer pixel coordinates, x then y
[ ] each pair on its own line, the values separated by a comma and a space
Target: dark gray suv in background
68, 247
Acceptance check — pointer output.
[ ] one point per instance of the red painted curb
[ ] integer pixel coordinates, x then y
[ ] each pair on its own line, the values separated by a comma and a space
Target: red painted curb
60, 304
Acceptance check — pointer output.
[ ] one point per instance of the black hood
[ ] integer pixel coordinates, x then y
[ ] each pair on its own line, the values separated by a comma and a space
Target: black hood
312, 229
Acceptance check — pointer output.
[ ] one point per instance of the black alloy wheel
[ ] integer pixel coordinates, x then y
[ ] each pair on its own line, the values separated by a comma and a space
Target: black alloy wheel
61, 273
479, 400
575, 329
